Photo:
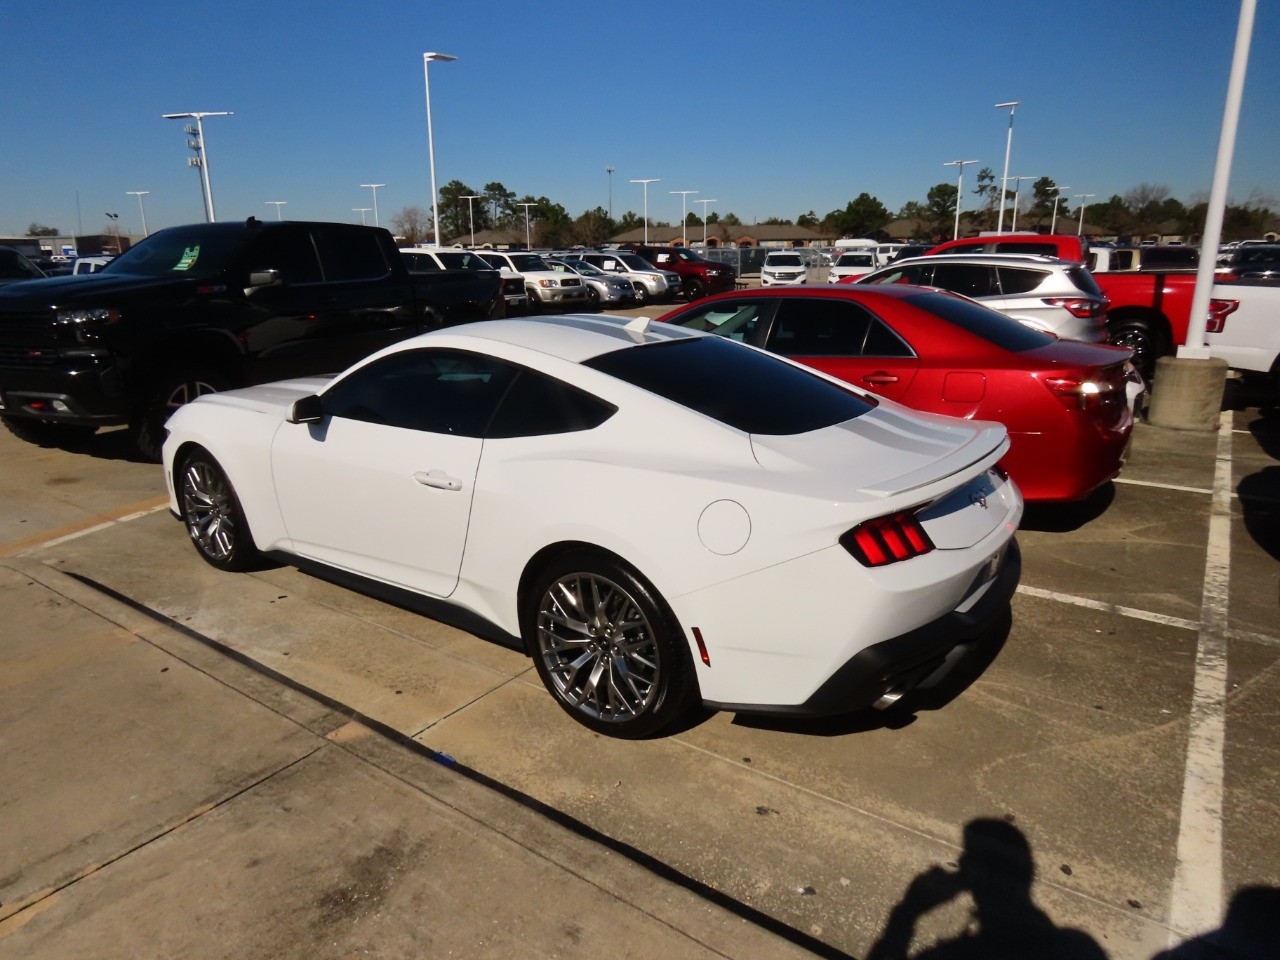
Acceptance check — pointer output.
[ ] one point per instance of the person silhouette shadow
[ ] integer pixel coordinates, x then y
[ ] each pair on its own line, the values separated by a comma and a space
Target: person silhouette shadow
996, 870
1251, 930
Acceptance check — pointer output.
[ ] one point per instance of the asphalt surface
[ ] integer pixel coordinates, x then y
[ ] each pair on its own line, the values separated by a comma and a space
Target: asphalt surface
269, 764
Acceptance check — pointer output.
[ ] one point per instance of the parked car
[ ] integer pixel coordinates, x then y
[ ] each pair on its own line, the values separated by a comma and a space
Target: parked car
14, 266
1259, 262
886, 252
631, 502
783, 268
206, 307
1246, 333
544, 286
435, 259
603, 289
1043, 292
1155, 257
857, 264
93, 264
651, 283
1065, 403
1061, 245
698, 275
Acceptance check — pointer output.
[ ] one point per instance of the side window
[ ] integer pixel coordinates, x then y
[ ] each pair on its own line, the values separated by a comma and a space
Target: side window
884, 342
819, 328
350, 255
538, 405
917, 274
1019, 279
435, 391
970, 279
420, 263
289, 251
607, 264
735, 319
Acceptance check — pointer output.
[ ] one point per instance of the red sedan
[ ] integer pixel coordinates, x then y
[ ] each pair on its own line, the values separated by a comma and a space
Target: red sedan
1063, 401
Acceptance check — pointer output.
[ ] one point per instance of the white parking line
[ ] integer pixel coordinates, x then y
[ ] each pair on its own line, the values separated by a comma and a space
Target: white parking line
1105, 607
1195, 902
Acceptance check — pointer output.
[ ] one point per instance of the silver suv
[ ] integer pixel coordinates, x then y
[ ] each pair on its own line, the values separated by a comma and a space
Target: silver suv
1058, 296
651, 283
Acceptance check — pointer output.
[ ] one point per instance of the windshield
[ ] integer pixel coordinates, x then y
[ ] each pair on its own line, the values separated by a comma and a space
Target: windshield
855, 260
636, 262
14, 266
463, 260
195, 252
528, 261
684, 253
586, 269
783, 260
744, 388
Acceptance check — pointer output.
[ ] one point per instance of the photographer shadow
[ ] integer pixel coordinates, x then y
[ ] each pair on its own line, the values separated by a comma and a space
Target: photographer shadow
996, 871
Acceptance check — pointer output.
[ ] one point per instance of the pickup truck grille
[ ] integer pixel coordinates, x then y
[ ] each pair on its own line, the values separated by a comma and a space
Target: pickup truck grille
27, 356
28, 339
513, 286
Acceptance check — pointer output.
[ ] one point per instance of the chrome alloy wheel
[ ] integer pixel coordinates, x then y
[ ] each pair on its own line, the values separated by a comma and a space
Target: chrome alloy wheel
185, 392
209, 509
598, 648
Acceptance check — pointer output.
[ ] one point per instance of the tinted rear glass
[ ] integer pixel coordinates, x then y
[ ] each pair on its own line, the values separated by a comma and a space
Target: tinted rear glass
1083, 280
750, 391
981, 322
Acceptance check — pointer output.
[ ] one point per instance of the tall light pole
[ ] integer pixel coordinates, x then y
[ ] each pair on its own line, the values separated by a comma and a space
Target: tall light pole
528, 242
646, 205
202, 155
374, 187
1084, 197
277, 204
609, 171
431, 146
115, 221
141, 210
1017, 188
684, 198
704, 218
1053, 224
471, 216
362, 211
959, 190
1008, 146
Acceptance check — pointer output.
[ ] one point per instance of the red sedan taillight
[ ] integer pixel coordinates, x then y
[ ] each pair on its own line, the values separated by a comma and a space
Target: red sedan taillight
887, 540
1079, 307
1081, 394
1218, 312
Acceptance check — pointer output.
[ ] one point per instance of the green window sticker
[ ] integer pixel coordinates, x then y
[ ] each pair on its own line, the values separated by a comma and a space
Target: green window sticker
189, 256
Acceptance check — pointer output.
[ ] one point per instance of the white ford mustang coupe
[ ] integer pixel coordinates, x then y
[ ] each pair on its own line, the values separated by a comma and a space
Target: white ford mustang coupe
661, 518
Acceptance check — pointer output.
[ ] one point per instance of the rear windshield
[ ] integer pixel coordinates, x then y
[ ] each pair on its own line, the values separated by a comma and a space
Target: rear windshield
982, 322
1083, 280
748, 390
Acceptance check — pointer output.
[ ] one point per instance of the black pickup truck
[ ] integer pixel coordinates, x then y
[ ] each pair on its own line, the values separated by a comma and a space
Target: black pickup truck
208, 307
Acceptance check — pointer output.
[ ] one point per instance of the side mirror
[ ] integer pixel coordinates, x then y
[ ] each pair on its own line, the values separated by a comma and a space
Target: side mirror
264, 278
309, 409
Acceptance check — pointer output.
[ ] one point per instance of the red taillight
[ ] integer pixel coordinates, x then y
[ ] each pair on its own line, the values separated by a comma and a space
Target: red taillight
1080, 394
1078, 306
887, 540
1219, 310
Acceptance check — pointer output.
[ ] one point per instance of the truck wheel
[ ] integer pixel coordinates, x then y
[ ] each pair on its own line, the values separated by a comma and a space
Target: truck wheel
46, 434
694, 289
1143, 339
172, 393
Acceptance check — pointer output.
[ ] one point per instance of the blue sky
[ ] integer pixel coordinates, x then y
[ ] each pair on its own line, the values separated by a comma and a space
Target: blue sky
773, 109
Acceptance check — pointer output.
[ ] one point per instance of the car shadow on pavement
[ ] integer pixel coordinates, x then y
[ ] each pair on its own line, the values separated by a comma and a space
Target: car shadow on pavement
967, 670
1067, 517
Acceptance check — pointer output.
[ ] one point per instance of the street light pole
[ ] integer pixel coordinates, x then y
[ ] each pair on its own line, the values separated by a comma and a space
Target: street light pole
470, 215
141, 210
362, 211
704, 218
277, 204
431, 147
1017, 188
684, 197
609, 171
528, 242
202, 155
1008, 146
1085, 197
374, 187
646, 205
959, 190
1053, 224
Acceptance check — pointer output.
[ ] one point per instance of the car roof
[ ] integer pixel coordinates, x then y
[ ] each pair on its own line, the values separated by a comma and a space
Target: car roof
573, 337
1008, 259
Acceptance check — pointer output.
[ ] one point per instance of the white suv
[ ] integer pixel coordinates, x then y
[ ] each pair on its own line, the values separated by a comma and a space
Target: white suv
543, 285
784, 268
430, 259
853, 264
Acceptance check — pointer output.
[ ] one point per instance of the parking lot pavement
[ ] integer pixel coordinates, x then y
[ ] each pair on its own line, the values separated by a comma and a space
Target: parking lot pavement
1120, 748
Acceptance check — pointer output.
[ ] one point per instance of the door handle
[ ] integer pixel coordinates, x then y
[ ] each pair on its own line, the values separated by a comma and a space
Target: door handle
880, 377
438, 479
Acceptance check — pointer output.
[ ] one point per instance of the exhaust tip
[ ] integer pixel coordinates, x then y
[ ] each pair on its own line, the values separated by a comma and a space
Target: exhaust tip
889, 698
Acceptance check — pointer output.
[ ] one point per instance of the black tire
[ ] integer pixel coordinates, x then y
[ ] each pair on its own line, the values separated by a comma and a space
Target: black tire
638, 678
593, 298
45, 433
1143, 338
212, 514
694, 289
164, 399
534, 305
